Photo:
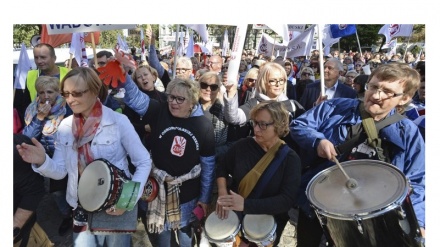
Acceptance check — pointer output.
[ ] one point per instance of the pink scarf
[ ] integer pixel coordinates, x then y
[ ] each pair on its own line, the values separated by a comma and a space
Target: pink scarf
84, 131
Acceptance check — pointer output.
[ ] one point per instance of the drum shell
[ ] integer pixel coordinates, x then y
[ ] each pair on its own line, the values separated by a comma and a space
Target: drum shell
390, 224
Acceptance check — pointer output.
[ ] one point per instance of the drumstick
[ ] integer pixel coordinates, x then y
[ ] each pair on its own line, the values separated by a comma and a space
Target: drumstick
351, 183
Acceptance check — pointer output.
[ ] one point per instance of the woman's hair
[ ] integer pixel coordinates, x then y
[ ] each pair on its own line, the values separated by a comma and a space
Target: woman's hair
263, 76
278, 113
361, 80
253, 72
47, 82
401, 72
88, 75
209, 75
152, 70
187, 86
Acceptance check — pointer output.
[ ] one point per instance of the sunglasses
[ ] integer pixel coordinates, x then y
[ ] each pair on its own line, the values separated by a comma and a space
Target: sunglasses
101, 63
306, 74
251, 80
74, 94
205, 85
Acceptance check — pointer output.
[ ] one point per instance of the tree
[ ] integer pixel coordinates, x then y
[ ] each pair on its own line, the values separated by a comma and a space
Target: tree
24, 33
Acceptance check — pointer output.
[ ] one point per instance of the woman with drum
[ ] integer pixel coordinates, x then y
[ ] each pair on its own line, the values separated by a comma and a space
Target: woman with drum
265, 172
92, 132
183, 154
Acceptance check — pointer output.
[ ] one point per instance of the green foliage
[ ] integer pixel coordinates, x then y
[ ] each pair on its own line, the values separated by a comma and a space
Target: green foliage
24, 33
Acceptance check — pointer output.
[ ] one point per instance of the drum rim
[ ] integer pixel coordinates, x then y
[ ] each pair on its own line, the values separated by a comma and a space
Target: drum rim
269, 237
365, 215
229, 238
115, 189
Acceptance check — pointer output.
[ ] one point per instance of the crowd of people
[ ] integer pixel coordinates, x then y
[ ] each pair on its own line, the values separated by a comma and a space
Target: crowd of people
249, 146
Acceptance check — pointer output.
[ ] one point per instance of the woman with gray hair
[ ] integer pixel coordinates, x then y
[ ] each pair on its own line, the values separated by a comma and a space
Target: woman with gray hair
183, 155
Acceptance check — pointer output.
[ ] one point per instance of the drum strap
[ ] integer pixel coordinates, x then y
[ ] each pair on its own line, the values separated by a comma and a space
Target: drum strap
371, 128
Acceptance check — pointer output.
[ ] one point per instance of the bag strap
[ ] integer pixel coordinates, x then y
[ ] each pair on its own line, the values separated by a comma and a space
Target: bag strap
270, 171
249, 181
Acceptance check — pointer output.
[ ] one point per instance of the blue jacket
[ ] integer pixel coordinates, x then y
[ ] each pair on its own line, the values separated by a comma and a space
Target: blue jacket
329, 120
313, 90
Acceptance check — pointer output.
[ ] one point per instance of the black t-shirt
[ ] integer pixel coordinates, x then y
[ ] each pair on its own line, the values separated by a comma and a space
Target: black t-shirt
178, 144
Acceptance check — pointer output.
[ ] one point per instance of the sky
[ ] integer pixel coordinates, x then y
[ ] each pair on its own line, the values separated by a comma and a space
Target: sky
229, 13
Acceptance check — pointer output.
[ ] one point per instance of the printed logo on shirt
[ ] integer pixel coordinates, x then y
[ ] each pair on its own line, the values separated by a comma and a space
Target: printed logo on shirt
178, 146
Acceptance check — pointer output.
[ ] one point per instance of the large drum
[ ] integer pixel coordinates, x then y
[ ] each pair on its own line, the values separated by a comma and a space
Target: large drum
103, 185
378, 212
260, 229
222, 232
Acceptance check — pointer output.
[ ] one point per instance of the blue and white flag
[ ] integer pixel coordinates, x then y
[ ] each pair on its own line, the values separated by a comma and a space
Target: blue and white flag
342, 30
23, 66
190, 47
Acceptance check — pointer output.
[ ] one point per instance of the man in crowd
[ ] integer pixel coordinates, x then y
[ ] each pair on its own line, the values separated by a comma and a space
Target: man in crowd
322, 131
44, 57
333, 87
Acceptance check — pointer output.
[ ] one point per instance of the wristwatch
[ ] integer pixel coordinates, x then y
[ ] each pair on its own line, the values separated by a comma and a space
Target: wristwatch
16, 231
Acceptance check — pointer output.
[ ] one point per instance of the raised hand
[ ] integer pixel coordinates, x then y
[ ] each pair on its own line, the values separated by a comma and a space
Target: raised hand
32, 154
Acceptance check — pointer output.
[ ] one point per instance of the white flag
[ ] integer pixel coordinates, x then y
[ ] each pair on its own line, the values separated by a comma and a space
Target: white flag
392, 45
190, 47
225, 43
396, 30
78, 49
23, 66
282, 30
301, 45
180, 48
122, 44
268, 45
200, 29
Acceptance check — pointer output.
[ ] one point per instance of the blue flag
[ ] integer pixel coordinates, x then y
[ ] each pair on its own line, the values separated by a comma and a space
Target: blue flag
342, 30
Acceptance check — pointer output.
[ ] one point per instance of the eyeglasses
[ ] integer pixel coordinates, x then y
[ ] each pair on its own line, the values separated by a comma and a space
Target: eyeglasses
262, 125
209, 62
389, 94
182, 69
74, 94
306, 74
358, 65
179, 99
205, 85
251, 80
349, 77
102, 63
274, 82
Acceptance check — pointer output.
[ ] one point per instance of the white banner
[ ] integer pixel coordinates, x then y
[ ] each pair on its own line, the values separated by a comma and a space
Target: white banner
301, 45
76, 28
236, 51
290, 27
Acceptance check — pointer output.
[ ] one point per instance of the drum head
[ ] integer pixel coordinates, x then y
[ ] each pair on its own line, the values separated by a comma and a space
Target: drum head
219, 229
258, 226
379, 186
94, 185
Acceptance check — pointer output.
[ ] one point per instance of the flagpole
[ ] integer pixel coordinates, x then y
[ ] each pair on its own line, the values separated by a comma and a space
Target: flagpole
175, 51
94, 50
321, 59
407, 43
359, 43
70, 60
